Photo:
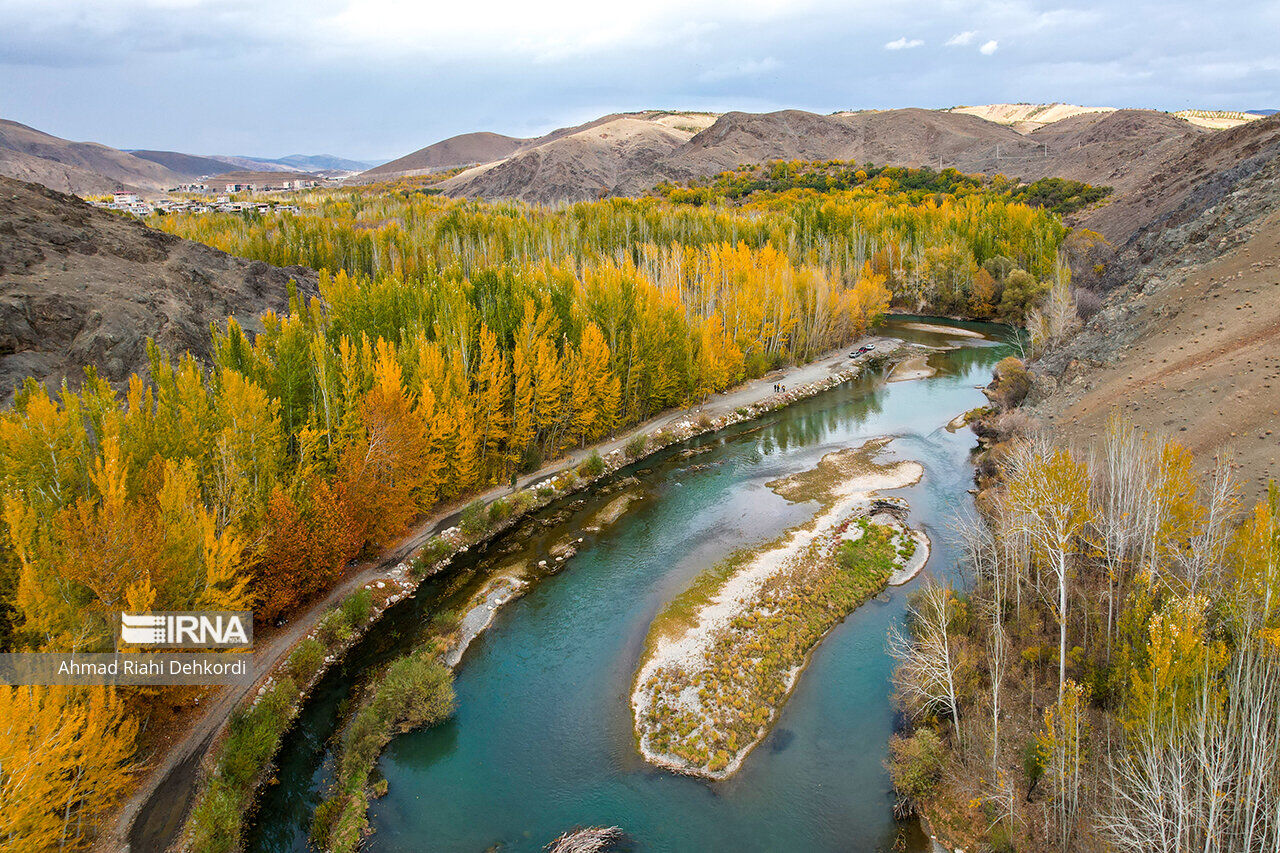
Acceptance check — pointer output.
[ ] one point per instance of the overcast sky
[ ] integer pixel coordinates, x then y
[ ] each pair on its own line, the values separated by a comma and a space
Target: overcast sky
375, 79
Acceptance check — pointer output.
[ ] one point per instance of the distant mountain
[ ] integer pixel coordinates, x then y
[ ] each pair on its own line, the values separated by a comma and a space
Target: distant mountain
84, 168
247, 176
312, 163
187, 165
256, 164
1262, 112
325, 163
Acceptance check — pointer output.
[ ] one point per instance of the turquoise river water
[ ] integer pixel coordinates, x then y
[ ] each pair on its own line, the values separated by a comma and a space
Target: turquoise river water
542, 740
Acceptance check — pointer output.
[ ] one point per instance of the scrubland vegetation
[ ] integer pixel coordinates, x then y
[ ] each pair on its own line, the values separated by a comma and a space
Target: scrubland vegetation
453, 344
1110, 677
705, 715
414, 691
218, 817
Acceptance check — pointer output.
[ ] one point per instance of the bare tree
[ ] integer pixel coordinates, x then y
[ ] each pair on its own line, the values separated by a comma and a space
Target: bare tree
927, 660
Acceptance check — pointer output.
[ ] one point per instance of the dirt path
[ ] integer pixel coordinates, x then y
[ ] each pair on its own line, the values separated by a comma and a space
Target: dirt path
152, 817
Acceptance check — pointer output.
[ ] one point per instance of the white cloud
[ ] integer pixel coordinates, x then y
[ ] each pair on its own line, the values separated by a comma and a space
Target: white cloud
989, 47
903, 43
960, 39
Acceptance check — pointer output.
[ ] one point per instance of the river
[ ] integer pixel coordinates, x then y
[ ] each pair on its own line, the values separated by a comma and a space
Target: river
542, 740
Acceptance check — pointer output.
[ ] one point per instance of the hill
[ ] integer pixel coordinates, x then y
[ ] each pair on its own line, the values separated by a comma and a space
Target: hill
463, 150
187, 165
484, 149
323, 163
1025, 118
1187, 342
82, 286
578, 166
79, 167
659, 147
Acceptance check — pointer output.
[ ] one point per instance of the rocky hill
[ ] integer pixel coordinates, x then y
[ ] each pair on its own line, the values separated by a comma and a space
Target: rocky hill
83, 168
1187, 343
82, 286
629, 155
586, 164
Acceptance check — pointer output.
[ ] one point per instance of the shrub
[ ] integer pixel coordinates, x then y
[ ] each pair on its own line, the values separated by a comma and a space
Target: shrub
636, 446
1032, 764
523, 501
433, 552
305, 660
593, 466
915, 764
473, 518
704, 421
334, 629
357, 607
499, 511
1012, 382
1088, 303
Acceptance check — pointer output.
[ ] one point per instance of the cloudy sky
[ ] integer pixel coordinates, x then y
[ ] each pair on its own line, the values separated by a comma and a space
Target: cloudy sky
374, 79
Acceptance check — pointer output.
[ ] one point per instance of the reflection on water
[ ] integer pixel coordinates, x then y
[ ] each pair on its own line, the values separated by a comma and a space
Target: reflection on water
542, 740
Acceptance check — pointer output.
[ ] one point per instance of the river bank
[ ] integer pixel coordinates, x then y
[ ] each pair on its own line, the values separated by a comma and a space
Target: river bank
723, 657
551, 675
151, 818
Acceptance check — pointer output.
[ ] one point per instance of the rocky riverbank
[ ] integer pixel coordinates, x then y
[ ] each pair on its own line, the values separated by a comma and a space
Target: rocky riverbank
723, 657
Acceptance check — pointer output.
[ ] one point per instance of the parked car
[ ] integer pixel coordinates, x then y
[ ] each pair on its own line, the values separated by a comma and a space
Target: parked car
862, 350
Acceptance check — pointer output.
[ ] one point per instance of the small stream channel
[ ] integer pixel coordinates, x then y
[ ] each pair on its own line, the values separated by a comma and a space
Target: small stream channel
542, 740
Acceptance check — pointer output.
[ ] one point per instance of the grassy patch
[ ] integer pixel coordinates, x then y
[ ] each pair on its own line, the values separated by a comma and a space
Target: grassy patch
833, 470
415, 691
707, 716
217, 820
681, 612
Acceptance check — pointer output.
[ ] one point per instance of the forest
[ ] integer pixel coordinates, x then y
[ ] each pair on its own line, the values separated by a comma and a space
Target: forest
1108, 675
453, 345
788, 180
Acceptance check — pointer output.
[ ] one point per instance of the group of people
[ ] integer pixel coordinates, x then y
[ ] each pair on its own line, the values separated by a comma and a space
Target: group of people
779, 388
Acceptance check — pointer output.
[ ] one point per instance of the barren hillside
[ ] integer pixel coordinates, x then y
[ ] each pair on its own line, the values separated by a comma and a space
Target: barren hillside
1025, 118
79, 167
1122, 148
81, 286
586, 164
187, 165
464, 150
1189, 346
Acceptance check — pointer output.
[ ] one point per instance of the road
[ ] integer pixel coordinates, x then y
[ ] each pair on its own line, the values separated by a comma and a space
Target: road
153, 816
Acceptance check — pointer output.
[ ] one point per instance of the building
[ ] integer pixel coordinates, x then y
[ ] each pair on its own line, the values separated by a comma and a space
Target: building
124, 198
